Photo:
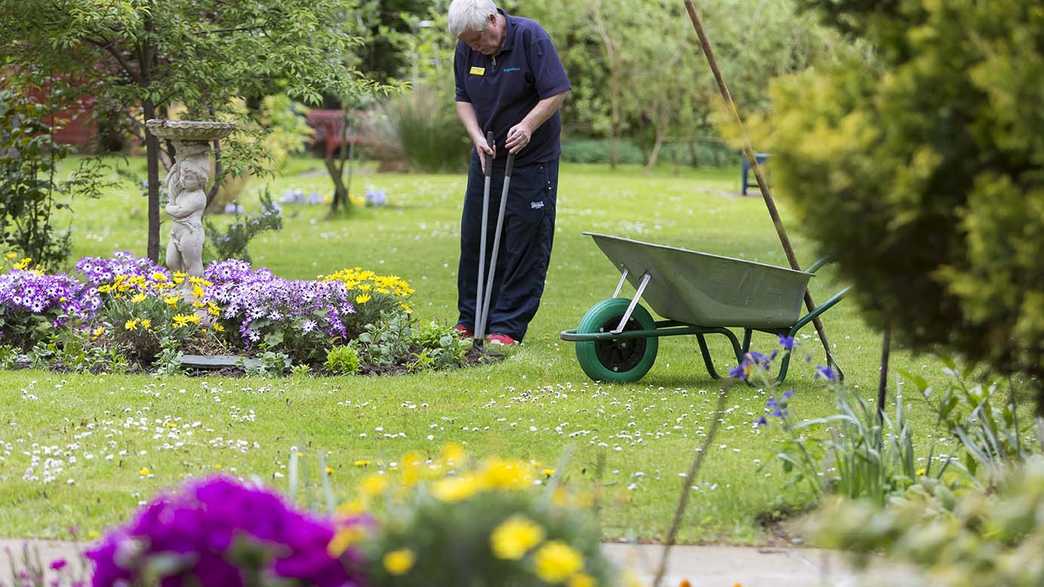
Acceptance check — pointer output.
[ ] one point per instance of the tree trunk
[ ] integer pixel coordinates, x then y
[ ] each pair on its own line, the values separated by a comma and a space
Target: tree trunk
336, 170
655, 154
340, 191
152, 154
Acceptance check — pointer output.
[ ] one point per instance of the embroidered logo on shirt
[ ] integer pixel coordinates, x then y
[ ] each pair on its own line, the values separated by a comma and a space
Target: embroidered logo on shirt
536, 205
478, 71
510, 69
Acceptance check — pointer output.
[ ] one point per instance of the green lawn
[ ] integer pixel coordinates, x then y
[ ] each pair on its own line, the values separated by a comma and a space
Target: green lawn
110, 441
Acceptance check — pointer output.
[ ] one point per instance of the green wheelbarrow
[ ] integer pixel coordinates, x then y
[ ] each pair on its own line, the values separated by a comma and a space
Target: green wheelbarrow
699, 294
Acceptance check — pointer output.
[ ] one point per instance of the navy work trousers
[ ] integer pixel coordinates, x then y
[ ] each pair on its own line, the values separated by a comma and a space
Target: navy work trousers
525, 244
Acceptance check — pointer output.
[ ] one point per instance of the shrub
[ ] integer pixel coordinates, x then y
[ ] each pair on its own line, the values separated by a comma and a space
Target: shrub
431, 136
953, 540
29, 192
33, 304
923, 173
372, 295
342, 360
597, 151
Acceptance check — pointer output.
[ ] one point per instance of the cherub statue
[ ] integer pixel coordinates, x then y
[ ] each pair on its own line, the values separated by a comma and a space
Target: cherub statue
185, 184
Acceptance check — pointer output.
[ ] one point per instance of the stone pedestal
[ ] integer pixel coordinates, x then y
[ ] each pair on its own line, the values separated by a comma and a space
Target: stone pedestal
186, 187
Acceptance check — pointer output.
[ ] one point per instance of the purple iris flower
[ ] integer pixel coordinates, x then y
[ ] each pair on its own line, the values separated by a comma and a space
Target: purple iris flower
827, 373
787, 342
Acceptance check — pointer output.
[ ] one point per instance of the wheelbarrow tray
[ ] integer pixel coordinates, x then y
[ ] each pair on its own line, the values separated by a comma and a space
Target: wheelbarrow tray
709, 290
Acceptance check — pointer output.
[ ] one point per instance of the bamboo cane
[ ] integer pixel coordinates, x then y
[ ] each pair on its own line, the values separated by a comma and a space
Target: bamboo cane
748, 151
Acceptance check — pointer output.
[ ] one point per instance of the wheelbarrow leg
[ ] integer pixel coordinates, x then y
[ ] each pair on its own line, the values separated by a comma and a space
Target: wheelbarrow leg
708, 361
646, 278
620, 284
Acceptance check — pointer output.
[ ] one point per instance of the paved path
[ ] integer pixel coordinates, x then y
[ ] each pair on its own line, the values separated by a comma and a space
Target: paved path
703, 566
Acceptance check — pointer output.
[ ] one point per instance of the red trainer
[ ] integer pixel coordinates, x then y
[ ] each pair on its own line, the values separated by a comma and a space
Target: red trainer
463, 331
501, 339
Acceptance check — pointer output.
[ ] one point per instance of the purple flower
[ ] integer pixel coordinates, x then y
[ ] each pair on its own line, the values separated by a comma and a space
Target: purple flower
787, 342
827, 373
58, 564
761, 422
212, 528
788, 394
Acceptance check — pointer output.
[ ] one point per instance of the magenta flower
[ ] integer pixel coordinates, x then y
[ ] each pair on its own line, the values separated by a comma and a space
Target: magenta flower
218, 532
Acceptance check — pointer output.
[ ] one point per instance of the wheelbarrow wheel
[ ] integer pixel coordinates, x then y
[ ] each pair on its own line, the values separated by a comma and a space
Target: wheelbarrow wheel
622, 360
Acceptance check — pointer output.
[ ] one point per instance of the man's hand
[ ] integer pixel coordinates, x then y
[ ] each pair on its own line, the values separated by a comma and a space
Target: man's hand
518, 137
484, 150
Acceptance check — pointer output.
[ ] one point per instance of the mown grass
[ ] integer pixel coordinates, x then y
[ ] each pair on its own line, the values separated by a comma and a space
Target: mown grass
124, 430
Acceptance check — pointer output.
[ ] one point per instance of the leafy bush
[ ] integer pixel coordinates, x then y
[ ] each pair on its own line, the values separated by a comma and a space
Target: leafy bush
342, 360
597, 151
427, 127
953, 540
231, 243
924, 173
29, 191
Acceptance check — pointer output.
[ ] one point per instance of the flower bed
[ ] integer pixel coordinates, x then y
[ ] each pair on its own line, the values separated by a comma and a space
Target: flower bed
127, 313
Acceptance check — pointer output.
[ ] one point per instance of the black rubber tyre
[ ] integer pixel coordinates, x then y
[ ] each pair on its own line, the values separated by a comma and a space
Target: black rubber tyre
622, 360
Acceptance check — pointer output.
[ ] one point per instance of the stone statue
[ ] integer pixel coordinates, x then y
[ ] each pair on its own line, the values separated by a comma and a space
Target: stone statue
186, 185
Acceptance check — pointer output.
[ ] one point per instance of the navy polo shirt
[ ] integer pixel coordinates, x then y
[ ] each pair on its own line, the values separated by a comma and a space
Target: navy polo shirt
505, 87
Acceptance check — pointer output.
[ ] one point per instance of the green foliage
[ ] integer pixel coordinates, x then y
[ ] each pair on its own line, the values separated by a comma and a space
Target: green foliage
850, 453
270, 363
924, 174
978, 538
232, 242
600, 151
438, 347
30, 190
342, 360
394, 343
80, 352
8, 356
991, 438
429, 132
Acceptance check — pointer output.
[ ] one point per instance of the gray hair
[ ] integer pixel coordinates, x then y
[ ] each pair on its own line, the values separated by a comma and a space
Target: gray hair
470, 15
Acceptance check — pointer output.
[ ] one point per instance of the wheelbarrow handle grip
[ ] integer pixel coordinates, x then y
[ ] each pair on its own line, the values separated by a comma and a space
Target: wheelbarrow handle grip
491, 142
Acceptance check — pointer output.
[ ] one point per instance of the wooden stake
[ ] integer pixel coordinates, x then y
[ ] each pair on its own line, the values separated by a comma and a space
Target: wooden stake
748, 151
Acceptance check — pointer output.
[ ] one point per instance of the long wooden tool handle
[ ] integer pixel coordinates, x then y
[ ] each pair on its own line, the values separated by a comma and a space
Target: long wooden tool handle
748, 151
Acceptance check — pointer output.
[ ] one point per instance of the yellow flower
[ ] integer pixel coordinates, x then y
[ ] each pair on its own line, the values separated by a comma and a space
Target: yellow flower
362, 298
507, 474
157, 276
453, 454
411, 468
138, 298
169, 300
104, 288
329, 470
556, 561
399, 562
145, 323
11, 256
144, 472
131, 324
218, 327
197, 291
98, 331
351, 508
374, 484
512, 539
582, 580
344, 538
454, 489
213, 309
361, 463
548, 473
23, 263
181, 320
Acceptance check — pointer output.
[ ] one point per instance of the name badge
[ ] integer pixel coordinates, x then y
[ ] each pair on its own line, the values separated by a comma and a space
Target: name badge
478, 71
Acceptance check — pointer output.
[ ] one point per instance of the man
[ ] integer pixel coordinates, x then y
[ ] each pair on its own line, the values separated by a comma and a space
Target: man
509, 81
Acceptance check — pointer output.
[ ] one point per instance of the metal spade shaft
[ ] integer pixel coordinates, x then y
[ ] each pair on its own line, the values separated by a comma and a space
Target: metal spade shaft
481, 330
488, 172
